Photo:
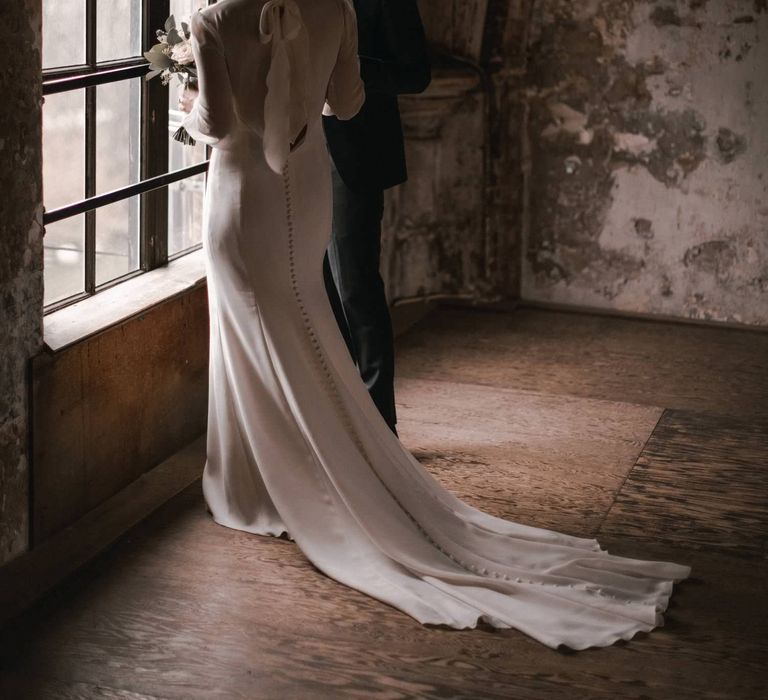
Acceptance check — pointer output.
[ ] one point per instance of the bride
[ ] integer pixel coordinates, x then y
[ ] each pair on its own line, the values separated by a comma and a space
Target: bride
295, 444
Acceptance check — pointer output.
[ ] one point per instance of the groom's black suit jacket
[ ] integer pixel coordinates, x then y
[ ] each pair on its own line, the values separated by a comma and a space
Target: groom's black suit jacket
368, 149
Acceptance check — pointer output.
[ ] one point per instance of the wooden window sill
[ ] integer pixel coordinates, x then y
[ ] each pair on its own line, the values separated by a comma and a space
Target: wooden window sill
115, 305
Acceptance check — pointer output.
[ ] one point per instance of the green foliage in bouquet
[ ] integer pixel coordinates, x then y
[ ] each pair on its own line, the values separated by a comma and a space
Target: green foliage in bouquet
172, 57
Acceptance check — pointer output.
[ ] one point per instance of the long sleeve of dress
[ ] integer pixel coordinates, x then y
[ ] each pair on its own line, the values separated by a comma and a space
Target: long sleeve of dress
212, 118
346, 93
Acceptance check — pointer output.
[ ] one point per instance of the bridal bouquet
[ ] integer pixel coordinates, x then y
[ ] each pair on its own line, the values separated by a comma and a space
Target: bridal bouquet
172, 57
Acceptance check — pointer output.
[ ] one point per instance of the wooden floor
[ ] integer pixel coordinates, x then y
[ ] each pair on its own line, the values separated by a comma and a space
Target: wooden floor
652, 437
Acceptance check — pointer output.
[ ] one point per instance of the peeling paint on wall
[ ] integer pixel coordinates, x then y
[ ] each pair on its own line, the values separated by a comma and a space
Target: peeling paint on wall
434, 238
646, 174
21, 291
454, 228
433, 235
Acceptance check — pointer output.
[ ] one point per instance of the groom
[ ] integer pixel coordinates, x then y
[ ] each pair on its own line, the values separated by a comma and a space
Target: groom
368, 157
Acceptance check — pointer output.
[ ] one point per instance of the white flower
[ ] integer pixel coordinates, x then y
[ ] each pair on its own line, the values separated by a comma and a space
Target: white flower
182, 53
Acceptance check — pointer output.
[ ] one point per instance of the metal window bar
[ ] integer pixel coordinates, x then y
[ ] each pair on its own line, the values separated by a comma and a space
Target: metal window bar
91, 77
101, 200
90, 148
154, 152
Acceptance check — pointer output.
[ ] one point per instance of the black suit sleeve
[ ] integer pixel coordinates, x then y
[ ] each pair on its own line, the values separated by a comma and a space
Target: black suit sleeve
406, 69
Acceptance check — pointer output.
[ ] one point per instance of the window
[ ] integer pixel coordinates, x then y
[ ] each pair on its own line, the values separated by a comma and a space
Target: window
121, 197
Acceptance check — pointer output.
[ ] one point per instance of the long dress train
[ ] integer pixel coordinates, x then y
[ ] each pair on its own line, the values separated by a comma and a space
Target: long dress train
295, 443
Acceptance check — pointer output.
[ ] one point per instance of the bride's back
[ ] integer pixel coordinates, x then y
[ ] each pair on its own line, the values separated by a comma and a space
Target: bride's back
313, 52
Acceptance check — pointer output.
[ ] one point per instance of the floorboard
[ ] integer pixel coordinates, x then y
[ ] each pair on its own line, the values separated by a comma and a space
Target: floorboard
581, 423
701, 481
547, 460
693, 368
32, 687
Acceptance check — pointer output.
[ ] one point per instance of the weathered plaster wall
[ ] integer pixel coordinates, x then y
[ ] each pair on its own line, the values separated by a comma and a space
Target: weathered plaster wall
453, 229
433, 240
647, 167
21, 290
433, 234
504, 60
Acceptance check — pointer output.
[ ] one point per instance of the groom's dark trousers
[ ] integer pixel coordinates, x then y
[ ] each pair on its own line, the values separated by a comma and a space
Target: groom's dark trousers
368, 157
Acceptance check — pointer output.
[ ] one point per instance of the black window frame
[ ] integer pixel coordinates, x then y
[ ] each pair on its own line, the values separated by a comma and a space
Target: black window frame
154, 177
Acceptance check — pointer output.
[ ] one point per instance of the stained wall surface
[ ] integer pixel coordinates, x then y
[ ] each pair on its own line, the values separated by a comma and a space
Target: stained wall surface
646, 173
21, 235
453, 229
433, 234
433, 238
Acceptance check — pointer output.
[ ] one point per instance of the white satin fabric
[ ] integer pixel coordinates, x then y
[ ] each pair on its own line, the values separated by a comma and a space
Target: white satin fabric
295, 443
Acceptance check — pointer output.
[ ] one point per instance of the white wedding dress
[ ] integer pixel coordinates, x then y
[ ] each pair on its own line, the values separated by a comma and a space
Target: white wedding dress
295, 443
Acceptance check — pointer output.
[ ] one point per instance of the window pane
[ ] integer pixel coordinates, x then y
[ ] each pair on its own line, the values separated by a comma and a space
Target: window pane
64, 183
185, 198
185, 213
64, 148
64, 259
118, 33
118, 134
182, 9
180, 155
117, 240
63, 33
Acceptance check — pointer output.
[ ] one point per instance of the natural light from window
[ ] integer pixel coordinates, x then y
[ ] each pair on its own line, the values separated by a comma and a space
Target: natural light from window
106, 150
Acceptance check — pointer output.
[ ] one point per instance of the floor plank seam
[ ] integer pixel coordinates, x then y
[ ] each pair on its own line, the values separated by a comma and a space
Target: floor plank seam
420, 377
629, 473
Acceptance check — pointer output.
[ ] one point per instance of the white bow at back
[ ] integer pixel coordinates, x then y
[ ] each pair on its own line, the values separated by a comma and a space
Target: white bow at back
280, 23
